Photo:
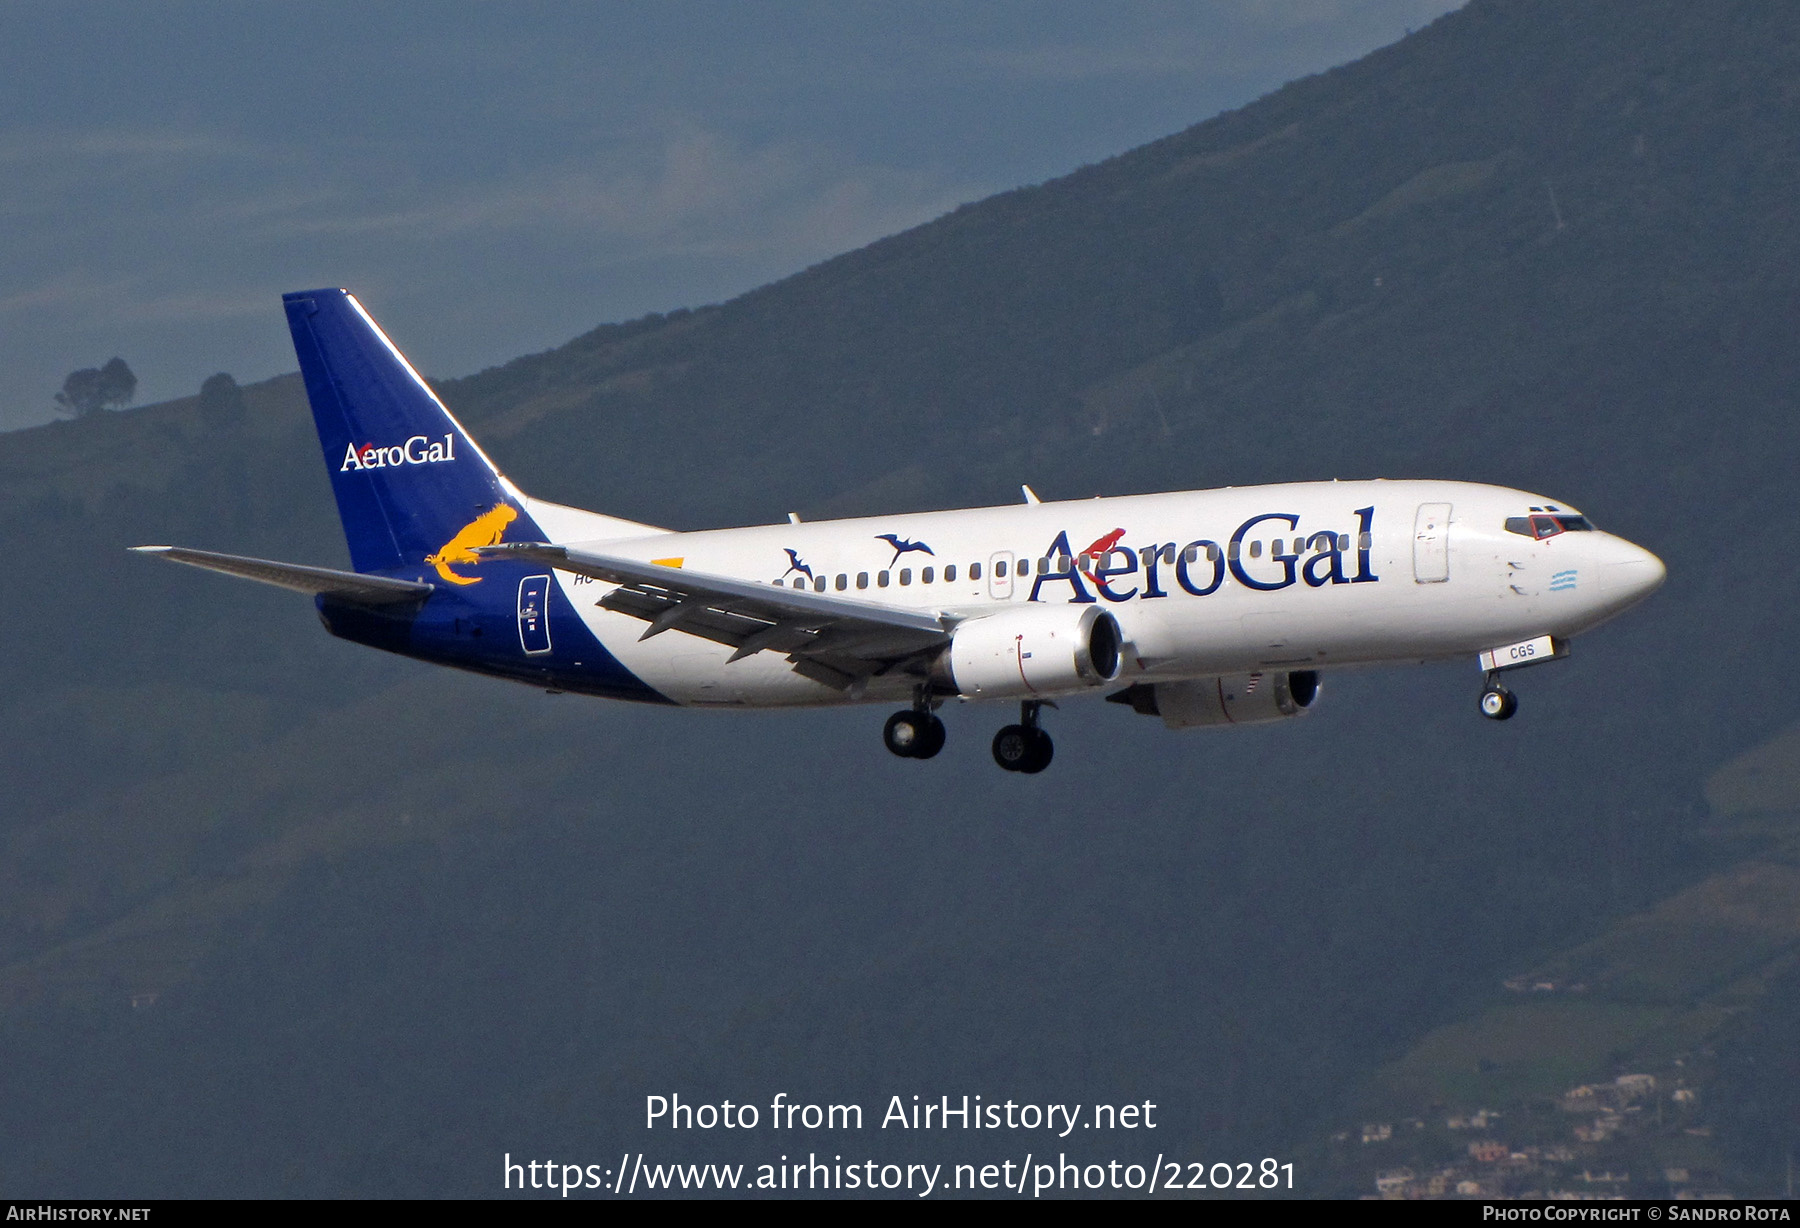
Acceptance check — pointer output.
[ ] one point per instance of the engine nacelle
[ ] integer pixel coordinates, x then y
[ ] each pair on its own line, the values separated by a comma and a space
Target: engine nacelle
1032, 650
1235, 699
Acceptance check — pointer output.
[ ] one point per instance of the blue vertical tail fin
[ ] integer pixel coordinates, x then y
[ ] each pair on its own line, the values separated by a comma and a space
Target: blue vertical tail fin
413, 489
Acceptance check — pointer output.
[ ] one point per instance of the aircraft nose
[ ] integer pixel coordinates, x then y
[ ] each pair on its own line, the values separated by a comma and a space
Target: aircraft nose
1632, 572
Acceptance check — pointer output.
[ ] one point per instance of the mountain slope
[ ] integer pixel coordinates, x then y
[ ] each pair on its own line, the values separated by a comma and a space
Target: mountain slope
1547, 244
1698, 993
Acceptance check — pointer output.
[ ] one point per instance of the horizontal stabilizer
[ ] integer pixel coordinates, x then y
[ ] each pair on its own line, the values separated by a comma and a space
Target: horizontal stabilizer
319, 581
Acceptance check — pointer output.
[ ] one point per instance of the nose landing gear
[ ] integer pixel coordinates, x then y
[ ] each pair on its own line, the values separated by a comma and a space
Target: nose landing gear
915, 733
1024, 747
1497, 703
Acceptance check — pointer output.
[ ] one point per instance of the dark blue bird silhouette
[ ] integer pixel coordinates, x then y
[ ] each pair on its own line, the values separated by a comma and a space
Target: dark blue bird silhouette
794, 564
902, 546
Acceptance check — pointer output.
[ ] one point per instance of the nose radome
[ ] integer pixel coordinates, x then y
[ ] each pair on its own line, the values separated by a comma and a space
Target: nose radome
1632, 571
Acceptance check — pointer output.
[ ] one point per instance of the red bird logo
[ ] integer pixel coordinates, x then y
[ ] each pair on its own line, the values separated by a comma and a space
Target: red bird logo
1093, 554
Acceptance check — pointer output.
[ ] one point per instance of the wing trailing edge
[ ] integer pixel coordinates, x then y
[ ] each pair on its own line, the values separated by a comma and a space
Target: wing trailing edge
835, 641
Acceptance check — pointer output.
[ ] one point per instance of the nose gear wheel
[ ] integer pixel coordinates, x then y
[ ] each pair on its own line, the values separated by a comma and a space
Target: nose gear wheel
1498, 703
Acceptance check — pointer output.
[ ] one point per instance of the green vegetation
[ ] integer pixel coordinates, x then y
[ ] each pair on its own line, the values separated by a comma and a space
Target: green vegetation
282, 915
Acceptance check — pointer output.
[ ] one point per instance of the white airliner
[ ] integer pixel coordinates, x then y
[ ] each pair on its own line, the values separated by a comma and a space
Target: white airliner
1212, 607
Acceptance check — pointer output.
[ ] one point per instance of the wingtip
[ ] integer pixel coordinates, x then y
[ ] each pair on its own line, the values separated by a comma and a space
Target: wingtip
150, 549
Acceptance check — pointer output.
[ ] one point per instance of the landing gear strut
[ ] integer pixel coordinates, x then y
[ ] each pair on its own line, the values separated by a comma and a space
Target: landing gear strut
1497, 703
914, 733
1024, 747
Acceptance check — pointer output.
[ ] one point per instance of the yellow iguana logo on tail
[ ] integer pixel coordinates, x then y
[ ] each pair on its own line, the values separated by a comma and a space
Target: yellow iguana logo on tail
485, 530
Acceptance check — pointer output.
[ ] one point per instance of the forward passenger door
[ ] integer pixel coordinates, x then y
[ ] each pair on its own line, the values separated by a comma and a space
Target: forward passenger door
1431, 543
1000, 575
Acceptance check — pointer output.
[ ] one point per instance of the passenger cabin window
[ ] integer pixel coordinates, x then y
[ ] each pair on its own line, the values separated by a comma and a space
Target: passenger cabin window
862, 579
1343, 542
950, 574
819, 584
925, 577
843, 582
1191, 554
1256, 550
1000, 570
905, 576
974, 571
1024, 567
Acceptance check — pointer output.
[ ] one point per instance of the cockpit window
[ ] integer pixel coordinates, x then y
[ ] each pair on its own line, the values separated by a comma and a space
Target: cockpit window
1542, 524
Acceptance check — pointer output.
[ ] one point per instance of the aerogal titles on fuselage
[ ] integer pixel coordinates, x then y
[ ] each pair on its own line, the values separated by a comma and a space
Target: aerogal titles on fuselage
416, 451
1315, 558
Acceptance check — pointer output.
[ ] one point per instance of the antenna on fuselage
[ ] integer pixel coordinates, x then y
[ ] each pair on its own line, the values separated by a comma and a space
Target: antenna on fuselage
1030, 495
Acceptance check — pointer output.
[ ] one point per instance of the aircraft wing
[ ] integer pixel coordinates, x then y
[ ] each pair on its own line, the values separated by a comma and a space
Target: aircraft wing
836, 641
344, 585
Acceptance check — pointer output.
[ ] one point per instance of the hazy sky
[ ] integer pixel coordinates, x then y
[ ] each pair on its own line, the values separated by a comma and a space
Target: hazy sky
494, 179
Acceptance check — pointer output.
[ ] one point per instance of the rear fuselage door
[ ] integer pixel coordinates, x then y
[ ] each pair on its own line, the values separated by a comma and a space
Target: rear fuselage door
1431, 543
534, 614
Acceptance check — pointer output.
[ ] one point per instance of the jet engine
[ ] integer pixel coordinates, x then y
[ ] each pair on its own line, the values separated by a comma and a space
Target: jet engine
1030, 651
1234, 699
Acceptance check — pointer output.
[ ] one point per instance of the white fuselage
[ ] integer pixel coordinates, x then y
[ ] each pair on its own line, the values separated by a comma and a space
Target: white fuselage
1309, 575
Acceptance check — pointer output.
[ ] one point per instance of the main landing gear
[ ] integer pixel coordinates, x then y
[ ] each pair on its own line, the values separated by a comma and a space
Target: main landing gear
1024, 747
915, 733
1497, 703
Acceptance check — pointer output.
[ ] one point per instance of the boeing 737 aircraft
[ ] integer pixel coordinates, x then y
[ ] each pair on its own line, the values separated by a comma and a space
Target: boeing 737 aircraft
1211, 607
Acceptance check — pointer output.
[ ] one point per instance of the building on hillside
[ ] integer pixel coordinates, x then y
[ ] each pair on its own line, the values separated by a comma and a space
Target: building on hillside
1607, 1177
1478, 1120
1489, 1151
1393, 1183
